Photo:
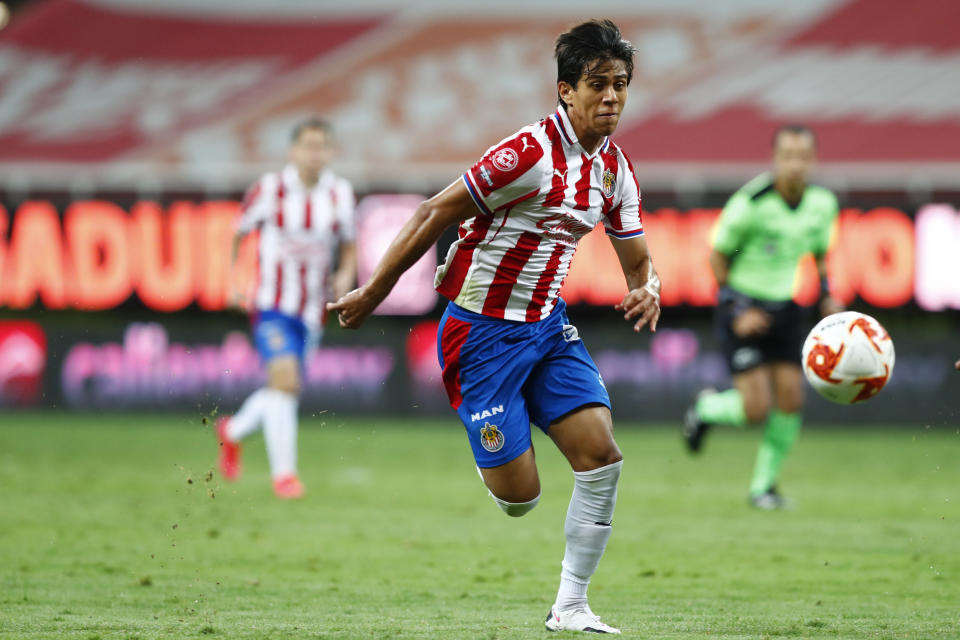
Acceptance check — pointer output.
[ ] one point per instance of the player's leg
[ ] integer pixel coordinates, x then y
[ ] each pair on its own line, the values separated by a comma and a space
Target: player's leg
738, 405
586, 439
782, 430
784, 418
568, 400
515, 485
280, 424
231, 430
485, 363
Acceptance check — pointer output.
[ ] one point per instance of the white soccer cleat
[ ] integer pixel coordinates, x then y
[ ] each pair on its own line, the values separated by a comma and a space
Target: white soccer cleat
577, 620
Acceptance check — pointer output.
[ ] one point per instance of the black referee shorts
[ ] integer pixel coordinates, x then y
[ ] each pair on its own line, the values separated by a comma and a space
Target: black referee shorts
781, 343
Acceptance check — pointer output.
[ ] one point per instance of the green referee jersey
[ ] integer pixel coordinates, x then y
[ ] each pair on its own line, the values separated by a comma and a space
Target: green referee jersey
764, 237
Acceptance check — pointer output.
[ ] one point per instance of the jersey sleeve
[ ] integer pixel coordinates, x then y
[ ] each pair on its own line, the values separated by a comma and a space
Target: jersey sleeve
733, 225
507, 172
258, 204
346, 218
625, 219
828, 228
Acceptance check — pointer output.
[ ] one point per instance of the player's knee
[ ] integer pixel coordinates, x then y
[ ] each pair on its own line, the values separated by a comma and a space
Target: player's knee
516, 509
588, 461
287, 386
286, 381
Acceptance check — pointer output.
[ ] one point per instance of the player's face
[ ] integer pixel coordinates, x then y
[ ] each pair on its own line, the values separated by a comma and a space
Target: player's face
595, 104
793, 157
312, 151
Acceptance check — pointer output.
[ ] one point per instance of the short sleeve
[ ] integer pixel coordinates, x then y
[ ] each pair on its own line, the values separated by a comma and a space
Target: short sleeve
624, 220
258, 204
733, 224
507, 172
346, 207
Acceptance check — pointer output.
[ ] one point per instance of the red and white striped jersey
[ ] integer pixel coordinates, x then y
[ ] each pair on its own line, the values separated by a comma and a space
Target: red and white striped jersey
539, 192
300, 230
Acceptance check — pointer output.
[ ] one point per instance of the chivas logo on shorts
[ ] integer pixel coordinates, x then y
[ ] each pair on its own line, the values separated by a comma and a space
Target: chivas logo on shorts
491, 437
609, 183
505, 159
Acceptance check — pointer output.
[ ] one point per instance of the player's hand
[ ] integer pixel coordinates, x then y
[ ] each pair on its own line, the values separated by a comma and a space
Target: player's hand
830, 305
354, 308
752, 322
957, 365
643, 304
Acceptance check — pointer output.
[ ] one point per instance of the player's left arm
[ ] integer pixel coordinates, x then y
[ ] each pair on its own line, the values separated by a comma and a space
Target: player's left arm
829, 304
643, 298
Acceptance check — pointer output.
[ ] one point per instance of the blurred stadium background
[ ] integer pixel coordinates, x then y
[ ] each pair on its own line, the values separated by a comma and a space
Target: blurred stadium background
130, 128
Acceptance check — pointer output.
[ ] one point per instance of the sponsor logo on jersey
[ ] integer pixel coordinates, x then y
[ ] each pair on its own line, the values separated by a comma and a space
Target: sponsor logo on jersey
570, 333
491, 437
609, 183
505, 159
486, 176
526, 145
487, 413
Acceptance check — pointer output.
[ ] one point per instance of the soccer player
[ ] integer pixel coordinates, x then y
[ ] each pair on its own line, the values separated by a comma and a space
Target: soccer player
509, 354
305, 217
763, 232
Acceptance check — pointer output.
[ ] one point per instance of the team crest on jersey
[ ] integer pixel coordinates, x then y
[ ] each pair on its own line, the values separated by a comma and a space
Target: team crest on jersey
505, 159
491, 437
609, 182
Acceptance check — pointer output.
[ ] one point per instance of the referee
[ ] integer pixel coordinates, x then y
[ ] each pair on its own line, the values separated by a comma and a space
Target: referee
763, 232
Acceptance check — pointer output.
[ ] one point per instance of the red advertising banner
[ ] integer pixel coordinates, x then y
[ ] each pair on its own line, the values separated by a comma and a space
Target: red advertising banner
98, 254
23, 359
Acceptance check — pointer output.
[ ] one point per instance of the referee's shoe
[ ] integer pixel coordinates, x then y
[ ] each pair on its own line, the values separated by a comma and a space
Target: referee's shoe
694, 427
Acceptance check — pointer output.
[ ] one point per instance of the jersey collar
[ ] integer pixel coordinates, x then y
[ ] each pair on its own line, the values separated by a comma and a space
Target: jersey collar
566, 131
291, 177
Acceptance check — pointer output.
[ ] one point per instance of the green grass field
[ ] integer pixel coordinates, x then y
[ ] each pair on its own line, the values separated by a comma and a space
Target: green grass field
117, 527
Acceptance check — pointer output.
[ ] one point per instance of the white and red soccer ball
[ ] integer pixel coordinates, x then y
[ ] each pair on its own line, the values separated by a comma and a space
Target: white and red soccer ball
848, 357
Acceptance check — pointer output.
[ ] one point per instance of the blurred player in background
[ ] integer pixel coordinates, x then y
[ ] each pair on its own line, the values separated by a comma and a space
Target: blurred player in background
305, 218
508, 352
763, 232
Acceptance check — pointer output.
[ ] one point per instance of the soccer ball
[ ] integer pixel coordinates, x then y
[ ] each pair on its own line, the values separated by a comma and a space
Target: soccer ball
848, 357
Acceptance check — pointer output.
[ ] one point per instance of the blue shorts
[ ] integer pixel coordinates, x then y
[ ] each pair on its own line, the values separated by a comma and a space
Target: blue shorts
276, 334
501, 375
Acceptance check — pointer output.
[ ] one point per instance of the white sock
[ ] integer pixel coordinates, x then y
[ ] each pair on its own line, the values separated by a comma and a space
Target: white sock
280, 432
587, 529
515, 509
249, 417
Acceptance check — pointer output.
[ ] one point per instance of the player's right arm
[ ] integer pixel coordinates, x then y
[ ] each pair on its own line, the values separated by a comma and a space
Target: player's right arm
256, 207
732, 228
451, 206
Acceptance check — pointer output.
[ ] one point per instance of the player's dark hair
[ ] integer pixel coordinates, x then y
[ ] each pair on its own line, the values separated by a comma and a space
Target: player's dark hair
311, 123
594, 41
795, 128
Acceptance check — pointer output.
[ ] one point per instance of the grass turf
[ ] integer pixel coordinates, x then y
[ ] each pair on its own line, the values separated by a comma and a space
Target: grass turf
117, 527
